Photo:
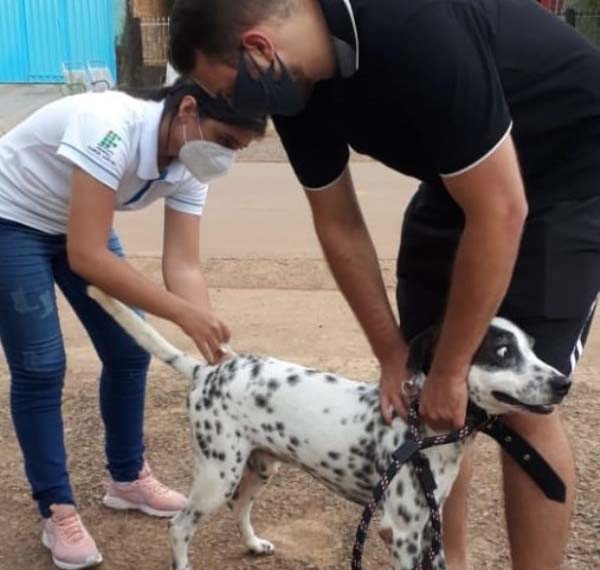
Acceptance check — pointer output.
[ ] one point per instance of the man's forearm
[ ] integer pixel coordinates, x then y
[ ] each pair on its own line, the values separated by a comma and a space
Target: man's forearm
482, 272
353, 262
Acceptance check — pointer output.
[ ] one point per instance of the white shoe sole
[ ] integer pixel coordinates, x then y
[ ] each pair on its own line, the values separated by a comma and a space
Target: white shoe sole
123, 505
68, 565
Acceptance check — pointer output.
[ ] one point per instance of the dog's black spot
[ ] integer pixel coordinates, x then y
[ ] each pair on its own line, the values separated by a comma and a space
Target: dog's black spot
293, 379
207, 425
218, 427
330, 378
369, 427
238, 433
260, 401
197, 516
273, 384
294, 441
404, 514
280, 427
326, 410
339, 472
334, 455
311, 371
255, 370
270, 439
222, 475
266, 427
292, 450
222, 456
399, 543
324, 465
412, 548
344, 421
400, 488
198, 406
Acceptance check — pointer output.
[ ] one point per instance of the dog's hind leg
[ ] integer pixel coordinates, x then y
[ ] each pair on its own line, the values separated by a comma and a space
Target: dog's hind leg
215, 480
259, 470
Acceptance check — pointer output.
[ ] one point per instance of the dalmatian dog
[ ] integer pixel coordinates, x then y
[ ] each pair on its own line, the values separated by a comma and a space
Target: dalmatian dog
250, 413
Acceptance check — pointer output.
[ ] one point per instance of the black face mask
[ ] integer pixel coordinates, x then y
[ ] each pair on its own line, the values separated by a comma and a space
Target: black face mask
262, 92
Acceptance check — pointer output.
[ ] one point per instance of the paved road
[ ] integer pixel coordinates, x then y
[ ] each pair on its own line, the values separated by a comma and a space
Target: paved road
259, 211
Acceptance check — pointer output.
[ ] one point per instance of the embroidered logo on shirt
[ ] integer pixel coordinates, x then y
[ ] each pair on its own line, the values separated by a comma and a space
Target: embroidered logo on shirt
106, 147
110, 141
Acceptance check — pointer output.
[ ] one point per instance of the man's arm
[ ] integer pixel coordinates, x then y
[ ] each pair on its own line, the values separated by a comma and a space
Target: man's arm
353, 261
493, 200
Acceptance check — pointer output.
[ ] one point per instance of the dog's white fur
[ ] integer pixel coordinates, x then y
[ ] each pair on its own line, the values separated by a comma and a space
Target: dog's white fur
250, 412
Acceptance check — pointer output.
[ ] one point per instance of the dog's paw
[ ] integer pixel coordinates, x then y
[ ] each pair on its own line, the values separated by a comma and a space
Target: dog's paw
260, 546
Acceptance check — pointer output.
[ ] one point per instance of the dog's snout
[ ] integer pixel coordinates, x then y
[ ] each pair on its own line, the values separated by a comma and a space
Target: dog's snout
560, 385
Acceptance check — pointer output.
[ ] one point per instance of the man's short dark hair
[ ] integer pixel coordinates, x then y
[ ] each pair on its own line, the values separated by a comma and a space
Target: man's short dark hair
214, 27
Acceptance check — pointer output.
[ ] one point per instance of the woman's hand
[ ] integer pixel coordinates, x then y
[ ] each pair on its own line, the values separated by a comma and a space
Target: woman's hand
207, 331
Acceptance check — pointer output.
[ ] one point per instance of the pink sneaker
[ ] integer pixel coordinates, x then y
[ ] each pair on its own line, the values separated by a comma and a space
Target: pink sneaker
147, 494
69, 542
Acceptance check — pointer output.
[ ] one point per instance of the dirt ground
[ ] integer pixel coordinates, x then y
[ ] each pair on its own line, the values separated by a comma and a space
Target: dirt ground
288, 309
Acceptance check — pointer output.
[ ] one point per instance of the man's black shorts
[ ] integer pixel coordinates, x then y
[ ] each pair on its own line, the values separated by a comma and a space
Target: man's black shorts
555, 282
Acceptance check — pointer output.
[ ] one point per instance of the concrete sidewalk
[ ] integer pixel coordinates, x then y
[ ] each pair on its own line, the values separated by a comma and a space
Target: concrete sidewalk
18, 101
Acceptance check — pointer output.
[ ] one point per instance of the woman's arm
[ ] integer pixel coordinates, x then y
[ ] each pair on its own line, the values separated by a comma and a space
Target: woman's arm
181, 258
90, 221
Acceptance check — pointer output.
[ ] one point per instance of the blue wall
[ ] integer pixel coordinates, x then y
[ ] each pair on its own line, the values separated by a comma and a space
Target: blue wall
37, 36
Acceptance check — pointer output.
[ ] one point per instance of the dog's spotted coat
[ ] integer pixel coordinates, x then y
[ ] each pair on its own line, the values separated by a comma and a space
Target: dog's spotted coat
251, 412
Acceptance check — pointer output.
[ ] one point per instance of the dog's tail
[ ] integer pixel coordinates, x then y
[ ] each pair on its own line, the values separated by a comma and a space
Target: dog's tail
145, 335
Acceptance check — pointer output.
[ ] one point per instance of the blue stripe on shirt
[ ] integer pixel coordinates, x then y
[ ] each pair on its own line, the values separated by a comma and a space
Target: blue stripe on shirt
91, 160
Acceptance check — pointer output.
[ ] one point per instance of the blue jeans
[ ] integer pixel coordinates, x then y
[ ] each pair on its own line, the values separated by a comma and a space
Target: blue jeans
31, 262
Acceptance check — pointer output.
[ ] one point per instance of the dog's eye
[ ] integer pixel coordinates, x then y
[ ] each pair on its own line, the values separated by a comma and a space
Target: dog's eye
502, 352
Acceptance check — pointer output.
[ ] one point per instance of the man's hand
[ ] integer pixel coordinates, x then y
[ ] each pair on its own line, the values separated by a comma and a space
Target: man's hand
392, 392
443, 403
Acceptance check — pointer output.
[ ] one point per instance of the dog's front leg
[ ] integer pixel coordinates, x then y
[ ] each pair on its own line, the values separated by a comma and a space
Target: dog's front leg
405, 515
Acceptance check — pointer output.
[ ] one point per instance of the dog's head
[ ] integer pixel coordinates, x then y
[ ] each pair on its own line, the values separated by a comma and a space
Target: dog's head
505, 375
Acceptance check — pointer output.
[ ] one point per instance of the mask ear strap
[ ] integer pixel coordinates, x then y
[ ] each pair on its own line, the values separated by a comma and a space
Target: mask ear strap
185, 139
200, 128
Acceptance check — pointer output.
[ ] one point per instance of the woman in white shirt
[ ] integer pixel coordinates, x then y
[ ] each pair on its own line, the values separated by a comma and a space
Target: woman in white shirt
63, 173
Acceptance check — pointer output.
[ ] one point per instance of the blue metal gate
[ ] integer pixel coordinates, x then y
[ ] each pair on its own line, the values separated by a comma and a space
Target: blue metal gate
38, 36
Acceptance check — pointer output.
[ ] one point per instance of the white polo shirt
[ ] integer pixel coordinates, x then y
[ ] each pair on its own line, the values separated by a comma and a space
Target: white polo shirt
111, 136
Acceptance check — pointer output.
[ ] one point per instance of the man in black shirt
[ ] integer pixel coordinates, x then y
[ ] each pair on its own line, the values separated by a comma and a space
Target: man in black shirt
495, 106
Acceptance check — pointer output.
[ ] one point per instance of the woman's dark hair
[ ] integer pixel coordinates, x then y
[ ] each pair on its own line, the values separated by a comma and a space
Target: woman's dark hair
214, 108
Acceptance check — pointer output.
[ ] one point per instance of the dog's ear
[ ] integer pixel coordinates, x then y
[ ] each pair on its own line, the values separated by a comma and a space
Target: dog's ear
420, 350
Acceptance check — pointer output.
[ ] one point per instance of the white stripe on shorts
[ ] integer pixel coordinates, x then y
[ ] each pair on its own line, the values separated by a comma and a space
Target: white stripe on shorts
578, 348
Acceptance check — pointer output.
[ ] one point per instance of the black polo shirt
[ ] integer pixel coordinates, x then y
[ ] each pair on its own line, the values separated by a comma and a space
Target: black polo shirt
437, 84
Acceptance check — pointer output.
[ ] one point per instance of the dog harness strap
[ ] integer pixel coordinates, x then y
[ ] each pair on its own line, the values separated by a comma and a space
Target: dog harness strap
477, 420
529, 459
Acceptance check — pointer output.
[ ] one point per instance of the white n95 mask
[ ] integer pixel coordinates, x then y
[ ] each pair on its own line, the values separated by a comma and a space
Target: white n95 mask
206, 160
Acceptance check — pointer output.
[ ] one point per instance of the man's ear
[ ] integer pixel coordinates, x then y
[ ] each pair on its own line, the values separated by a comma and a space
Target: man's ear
259, 47
421, 349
